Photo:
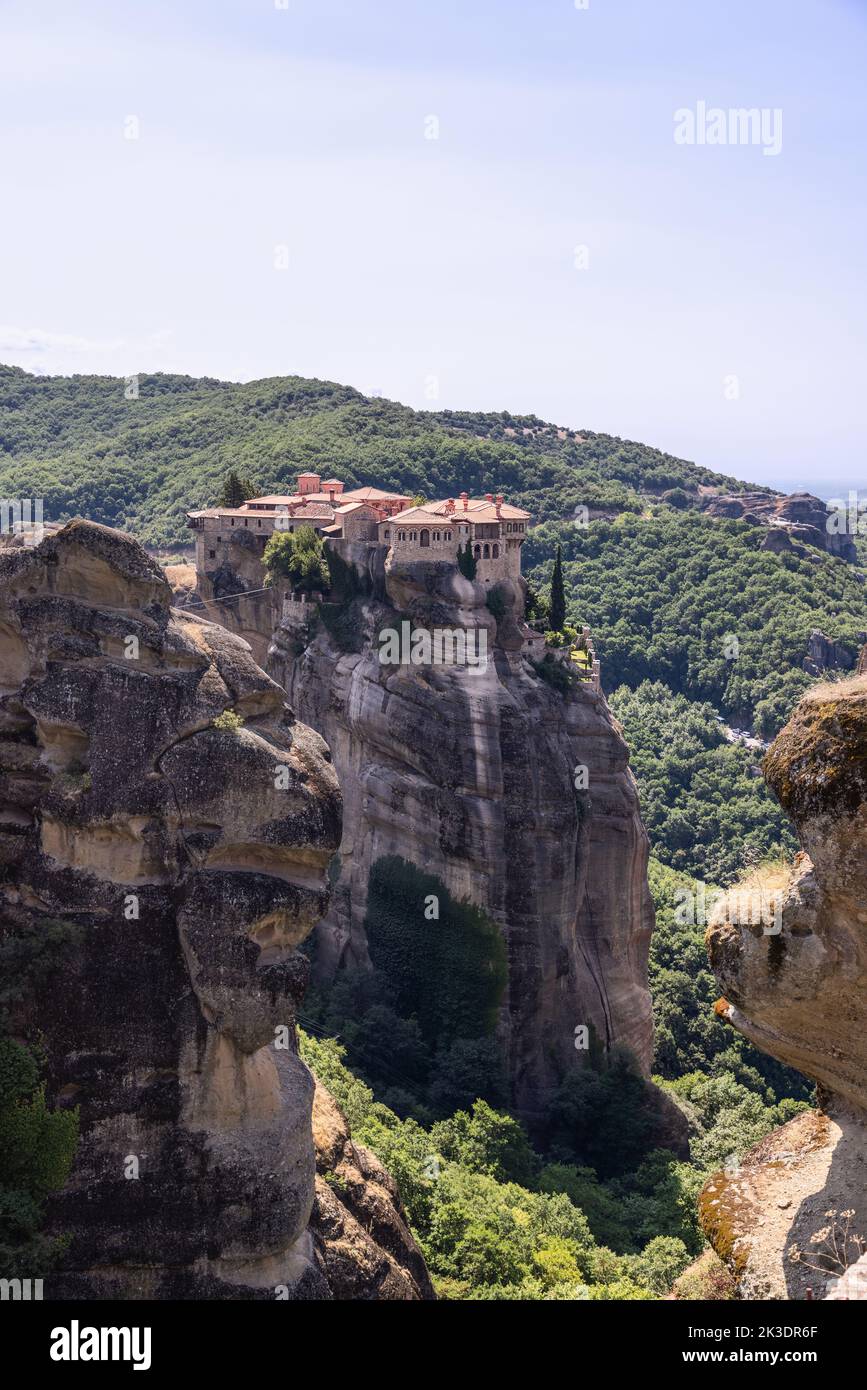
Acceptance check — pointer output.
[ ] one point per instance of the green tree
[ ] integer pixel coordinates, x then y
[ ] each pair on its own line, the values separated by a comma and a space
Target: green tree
37, 1146
298, 556
557, 602
487, 1142
235, 491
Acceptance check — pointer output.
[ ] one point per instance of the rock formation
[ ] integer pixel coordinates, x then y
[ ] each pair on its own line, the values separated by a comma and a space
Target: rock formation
794, 521
470, 774
165, 831
795, 986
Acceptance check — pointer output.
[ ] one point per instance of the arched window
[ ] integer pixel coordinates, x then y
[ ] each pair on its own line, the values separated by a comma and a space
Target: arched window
387, 533
424, 537
496, 551
477, 551
487, 552
448, 535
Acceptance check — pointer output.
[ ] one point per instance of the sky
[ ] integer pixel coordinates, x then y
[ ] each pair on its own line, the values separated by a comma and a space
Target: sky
462, 204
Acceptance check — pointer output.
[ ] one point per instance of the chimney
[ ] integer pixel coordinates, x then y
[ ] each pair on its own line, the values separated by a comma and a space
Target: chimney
489, 497
450, 506
499, 502
465, 500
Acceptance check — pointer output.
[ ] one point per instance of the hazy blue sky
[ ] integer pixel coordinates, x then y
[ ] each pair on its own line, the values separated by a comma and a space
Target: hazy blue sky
449, 264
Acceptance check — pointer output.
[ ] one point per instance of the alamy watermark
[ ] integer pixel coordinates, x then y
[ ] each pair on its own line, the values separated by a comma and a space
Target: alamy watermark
735, 125
847, 518
439, 646
22, 516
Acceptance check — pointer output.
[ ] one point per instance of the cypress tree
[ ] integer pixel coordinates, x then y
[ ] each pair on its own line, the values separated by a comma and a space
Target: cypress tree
235, 491
558, 596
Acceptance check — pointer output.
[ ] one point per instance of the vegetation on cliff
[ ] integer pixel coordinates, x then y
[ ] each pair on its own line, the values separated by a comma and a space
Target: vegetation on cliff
698, 604
141, 463
497, 1220
705, 805
298, 556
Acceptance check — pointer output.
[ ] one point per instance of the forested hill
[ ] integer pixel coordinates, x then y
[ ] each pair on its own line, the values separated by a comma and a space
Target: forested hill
140, 464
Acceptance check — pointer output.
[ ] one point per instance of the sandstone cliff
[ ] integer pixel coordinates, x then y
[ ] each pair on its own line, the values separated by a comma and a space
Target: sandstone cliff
797, 987
159, 869
470, 775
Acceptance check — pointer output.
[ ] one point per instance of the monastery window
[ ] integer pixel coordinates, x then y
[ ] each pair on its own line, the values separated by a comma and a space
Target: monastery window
233, 521
258, 523
477, 551
448, 535
219, 539
387, 533
212, 554
496, 552
487, 552
424, 537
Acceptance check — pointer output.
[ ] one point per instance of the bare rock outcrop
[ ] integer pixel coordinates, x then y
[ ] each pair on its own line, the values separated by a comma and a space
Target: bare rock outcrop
165, 830
796, 986
360, 1234
469, 773
795, 521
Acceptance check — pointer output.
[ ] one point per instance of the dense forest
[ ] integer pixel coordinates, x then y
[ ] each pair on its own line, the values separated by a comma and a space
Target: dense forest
697, 626
142, 462
697, 604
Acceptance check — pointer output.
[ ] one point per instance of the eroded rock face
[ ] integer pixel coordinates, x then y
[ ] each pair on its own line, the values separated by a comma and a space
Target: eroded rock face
470, 775
178, 864
796, 521
358, 1224
796, 986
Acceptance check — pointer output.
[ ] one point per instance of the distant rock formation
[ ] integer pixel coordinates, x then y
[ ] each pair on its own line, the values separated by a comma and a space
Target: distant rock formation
474, 776
795, 521
795, 986
165, 829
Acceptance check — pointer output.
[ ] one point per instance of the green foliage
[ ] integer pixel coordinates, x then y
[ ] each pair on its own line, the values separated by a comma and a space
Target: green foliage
449, 973
487, 1142
412, 1075
688, 1035
298, 556
229, 722
660, 1263
235, 491
537, 610
554, 673
37, 1146
557, 599
80, 445
731, 1118
706, 808
663, 593
600, 1117
490, 1231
